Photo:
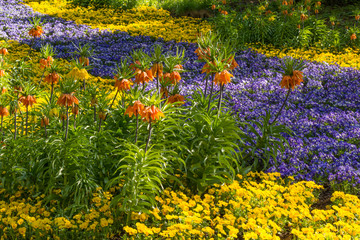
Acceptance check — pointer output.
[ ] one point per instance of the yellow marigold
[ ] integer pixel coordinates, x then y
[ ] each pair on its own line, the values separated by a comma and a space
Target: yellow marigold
79, 74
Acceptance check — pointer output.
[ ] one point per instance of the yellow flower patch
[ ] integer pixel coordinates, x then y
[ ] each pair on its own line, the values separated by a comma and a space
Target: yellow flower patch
147, 21
348, 58
259, 206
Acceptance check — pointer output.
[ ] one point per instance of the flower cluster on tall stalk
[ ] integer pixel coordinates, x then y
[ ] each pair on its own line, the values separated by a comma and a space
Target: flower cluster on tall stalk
123, 82
46, 59
67, 98
219, 61
35, 30
82, 63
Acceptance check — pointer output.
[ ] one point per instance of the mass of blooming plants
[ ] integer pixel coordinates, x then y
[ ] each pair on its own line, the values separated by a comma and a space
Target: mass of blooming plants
108, 135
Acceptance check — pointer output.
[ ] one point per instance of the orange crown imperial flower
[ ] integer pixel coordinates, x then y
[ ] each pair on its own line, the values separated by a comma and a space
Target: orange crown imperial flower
151, 113
52, 78
157, 69
27, 100
84, 61
353, 36
3, 51
175, 77
223, 78
4, 111
144, 76
36, 32
67, 99
176, 98
2, 72
292, 81
123, 85
135, 109
44, 121
357, 17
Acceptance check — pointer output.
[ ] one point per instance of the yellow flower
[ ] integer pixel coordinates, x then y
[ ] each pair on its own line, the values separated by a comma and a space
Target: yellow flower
130, 231
22, 231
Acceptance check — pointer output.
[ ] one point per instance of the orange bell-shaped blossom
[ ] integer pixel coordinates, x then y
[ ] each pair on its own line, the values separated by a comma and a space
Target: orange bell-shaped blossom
175, 77
203, 53
157, 69
28, 100
84, 61
151, 113
353, 36
44, 121
135, 109
291, 81
52, 78
3, 51
223, 77
143, 76
4, 111
36, 32
2, 72
176, 98
132, 66
123, 85
233, 64
67, 99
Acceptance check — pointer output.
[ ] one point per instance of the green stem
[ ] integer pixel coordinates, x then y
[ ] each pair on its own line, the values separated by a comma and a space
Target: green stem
15, 125
220, 99
27, 118
148, 141
41, 78
206, 84
67, 122
2, 133
45, 131
74, 121
100, 124
277, 115
52, 91
112, 103
211, 92
94, 113
137, 126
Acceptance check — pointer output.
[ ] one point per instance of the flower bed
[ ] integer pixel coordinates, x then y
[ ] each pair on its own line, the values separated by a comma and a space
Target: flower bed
324, 114
268, 208
144, 20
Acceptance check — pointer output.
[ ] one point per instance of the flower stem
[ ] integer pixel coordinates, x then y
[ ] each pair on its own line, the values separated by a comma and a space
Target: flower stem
220, 99
94, 113
206, 84
15, 125
2, 133
148, 141
27, 118
277, 115
45, 131
117, 91
41, 78
74, 121
137, 126
67, 122
211, 91
100, 124
52, 91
